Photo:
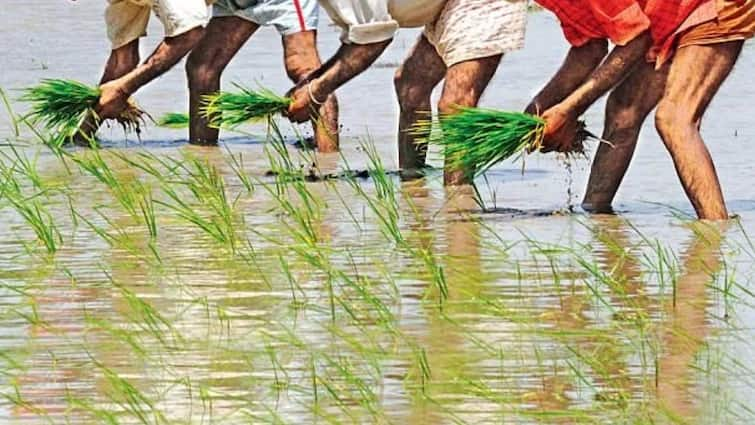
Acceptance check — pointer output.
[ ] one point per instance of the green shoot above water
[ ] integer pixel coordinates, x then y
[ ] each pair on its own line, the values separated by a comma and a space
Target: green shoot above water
229, 110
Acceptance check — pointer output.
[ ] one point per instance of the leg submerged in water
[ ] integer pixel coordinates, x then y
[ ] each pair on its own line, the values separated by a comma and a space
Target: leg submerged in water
626, 110
695, 77
301, 58
414, 82
465, 84
223, 38
121, 61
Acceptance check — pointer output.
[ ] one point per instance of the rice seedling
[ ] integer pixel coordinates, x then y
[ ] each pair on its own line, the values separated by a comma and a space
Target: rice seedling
14, 120
237, 165
229, 110
476, 139
208, 188
36, 216
63, 106
175, 120
129, 398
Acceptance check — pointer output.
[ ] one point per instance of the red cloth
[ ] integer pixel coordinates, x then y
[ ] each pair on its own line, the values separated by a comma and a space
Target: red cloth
623, 20
585, 20
672, 17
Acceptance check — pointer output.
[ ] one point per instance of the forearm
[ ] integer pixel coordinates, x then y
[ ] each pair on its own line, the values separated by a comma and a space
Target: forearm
167, 55
350, 61
609, 74
579, 64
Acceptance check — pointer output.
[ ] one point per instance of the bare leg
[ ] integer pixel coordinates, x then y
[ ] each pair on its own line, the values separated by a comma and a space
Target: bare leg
301, 58
695, 77
121, 61
414, 82
223, 38
465, 83
626, 109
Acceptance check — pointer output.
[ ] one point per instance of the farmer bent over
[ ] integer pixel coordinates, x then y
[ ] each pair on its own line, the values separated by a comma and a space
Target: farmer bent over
463, 42
126, 21
232, 24
709, 35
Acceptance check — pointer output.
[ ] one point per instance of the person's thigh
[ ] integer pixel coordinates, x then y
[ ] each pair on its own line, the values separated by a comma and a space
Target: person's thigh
223, 38
420, 72
697, 73
300, 54
632, 100
466, 81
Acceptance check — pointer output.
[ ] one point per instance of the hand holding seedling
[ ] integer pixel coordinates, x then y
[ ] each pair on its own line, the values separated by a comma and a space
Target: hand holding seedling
113, 100
561, 129
303, 101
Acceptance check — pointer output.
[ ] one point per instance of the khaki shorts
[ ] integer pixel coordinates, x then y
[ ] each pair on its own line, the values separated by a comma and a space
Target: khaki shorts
474, 29
735, 22
127, 19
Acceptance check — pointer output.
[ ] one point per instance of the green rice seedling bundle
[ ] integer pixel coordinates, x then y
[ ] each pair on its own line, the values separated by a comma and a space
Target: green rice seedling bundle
229, 110
62, 106
174, 120
477, 138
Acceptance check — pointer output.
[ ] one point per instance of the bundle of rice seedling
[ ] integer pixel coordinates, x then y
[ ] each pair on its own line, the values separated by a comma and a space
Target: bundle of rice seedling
477, 138
174, 120
229, 110
62, 106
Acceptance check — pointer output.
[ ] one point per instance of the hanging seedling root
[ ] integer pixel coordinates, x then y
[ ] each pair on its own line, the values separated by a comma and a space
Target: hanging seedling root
133, 118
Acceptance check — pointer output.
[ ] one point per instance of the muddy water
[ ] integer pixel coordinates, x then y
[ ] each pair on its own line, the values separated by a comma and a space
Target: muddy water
514, 316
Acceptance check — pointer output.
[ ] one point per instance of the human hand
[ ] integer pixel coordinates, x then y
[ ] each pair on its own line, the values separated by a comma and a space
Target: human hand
303, 101
112, 102
561, 129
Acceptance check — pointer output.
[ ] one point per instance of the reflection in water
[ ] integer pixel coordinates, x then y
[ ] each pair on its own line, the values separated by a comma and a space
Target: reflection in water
355, 301
686, 327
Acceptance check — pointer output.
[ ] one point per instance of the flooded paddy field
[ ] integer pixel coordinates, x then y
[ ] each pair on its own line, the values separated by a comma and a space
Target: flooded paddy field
151, 281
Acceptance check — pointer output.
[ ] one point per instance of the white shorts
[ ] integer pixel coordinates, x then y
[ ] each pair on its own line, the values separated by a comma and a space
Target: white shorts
127, 20
474, 29
287, 16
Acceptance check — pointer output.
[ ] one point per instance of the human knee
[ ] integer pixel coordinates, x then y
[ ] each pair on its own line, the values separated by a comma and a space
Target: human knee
201, 72
450, 103
300, 55
411, 94
672, 122
623, 111
299, 66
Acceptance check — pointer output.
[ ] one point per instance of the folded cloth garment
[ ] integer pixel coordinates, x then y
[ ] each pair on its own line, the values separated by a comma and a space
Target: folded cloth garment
472, 29
735, 20
287, 16
127, 20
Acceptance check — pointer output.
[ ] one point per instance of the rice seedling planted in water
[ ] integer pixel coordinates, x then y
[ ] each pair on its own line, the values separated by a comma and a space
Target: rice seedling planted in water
477, 138
228, 110
62, 106
174, 120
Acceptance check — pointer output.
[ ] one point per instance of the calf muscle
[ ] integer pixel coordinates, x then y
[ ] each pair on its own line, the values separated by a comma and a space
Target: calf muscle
695, 77
414, 82
222, 40
464, 86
